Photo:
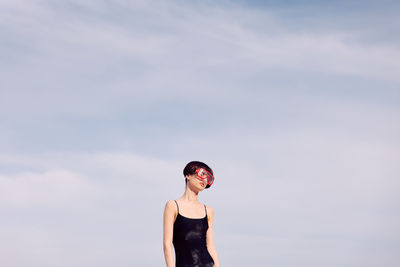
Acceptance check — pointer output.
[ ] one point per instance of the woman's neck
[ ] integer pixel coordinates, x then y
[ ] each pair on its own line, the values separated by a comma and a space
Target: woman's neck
190, 195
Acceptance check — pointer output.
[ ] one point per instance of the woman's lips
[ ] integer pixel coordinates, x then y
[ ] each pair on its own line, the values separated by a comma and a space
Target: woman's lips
202, 183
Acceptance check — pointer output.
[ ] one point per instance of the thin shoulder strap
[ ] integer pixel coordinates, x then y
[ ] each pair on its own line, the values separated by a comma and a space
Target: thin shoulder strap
205, 209
177, 205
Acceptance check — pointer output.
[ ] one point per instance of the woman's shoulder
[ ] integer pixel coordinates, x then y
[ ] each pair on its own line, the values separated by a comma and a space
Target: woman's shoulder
169, 202
171, 208
209, 209
171, 205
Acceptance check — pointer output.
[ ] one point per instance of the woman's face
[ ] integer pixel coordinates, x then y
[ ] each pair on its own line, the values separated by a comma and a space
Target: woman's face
197, 182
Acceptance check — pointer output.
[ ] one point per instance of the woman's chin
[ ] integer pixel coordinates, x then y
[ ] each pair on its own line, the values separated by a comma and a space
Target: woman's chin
200, 188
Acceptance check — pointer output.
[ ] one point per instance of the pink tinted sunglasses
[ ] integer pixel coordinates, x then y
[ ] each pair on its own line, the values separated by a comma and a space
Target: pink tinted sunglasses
203, 174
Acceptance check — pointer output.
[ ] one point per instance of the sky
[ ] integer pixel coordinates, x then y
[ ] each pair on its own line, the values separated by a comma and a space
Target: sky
295, 105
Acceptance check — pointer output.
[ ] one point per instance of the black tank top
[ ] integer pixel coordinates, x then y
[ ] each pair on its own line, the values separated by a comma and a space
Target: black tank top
189, 241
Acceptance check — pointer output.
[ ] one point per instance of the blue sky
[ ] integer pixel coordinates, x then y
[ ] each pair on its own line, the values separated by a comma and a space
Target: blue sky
295, 105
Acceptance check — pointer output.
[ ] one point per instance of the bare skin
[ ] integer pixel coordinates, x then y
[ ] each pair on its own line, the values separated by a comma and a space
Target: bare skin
190, 207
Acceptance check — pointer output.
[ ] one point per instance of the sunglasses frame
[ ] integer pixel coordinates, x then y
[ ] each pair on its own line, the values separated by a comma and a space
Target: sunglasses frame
208, 173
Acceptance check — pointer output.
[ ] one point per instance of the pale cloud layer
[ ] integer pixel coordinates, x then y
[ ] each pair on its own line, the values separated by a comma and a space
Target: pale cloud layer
295, 107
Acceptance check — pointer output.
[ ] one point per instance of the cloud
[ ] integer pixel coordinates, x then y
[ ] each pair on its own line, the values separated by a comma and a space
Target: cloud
89, 204
307, 192
53, 186
103, 103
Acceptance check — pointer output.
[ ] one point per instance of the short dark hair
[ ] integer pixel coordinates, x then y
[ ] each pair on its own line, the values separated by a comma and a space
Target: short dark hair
192, 166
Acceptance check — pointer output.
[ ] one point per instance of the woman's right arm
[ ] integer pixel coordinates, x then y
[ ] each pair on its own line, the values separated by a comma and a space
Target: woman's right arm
169, 218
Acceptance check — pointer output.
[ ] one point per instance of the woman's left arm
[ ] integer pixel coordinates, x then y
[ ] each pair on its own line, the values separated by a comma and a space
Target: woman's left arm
210, 237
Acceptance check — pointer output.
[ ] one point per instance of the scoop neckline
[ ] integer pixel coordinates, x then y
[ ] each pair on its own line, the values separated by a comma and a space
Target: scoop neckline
192, 218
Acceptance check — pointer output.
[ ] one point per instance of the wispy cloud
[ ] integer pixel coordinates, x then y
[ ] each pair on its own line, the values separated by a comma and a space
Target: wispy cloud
294, 106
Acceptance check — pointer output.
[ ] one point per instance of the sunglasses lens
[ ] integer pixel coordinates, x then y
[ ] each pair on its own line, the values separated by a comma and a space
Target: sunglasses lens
202, 173
205, 175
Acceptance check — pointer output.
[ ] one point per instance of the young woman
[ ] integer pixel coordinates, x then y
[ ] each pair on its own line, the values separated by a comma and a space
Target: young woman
188, 224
